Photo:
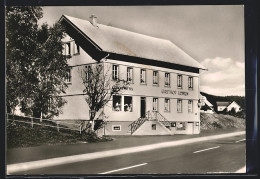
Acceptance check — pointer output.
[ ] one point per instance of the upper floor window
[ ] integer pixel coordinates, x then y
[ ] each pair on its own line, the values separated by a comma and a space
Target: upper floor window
190, 106
68, 75
155, 104
190, 83
167, 105
115, 72
167, 79
179, 105
76, 49
155, 78
129, 74
143, 76
67, 49
179, 81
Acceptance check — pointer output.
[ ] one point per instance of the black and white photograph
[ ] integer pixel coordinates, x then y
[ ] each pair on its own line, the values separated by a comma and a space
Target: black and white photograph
117, 90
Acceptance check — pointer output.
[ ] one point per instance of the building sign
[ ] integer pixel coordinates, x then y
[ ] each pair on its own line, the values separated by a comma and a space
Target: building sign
168, 91
183, 93
127, 88
174, 92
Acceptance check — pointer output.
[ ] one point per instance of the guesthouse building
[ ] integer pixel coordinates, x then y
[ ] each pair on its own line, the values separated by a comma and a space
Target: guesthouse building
162, 97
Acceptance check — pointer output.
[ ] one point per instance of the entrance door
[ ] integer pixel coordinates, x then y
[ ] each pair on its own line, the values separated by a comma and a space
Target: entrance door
189, 128
143, 106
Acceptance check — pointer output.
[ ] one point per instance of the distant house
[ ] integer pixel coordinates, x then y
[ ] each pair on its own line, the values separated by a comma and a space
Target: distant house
235, 106
221, 106
206, 106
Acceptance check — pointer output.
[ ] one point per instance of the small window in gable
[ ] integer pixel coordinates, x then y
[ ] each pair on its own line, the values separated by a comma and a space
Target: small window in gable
76, 49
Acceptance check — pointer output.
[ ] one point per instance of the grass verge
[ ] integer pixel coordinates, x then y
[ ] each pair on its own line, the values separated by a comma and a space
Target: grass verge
23, 135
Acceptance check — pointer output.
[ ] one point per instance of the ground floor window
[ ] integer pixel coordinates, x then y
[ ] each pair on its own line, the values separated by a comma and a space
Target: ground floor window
179, 105
153, 126
190, 106
128, 103
155, 104
167, 105
173, 124
181, 126
116, 103
116, 128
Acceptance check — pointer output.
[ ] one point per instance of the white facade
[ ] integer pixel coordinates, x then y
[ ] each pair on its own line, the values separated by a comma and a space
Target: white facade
172, 93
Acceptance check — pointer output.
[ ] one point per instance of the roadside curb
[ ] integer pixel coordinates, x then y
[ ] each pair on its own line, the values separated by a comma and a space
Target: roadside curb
12, 168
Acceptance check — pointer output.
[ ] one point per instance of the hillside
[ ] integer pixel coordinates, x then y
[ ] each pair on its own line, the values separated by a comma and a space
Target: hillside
221, 121
240, 100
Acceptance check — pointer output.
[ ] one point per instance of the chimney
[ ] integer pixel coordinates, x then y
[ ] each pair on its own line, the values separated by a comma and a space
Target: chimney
93, 20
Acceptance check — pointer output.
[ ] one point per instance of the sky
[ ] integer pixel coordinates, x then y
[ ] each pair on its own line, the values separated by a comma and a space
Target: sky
212, 35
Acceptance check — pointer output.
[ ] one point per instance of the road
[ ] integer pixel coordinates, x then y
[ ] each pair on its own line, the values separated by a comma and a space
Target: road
214, 156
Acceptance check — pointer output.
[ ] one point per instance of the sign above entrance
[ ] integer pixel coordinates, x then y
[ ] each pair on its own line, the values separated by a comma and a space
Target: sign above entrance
174, 92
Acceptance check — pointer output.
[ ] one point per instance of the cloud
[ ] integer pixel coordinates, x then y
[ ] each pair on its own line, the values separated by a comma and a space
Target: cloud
225, 76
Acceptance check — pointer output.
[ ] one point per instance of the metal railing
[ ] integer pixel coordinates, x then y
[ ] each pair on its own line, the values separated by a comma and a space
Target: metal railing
136, 124
58, 124
155, 115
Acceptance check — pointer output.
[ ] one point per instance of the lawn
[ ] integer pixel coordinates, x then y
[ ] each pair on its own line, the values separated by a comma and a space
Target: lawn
23, 135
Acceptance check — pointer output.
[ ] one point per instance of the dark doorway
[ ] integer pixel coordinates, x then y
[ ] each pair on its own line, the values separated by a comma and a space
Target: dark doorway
143, 106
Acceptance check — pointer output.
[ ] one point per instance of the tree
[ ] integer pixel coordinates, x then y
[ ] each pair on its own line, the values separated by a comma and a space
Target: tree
21, 33
99, 87
35, 66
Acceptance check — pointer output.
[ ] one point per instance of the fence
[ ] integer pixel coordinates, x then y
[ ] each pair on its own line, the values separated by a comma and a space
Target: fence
76, 125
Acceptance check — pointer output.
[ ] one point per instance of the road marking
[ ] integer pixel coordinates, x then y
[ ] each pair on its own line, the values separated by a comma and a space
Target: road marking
120, 169
206, 149
18, 167
241, 170
240, 140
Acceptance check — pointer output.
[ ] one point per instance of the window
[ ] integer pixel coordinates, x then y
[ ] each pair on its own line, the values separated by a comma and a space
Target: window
67, 49
143, 76
116, 128
87, 71
155, 78
129, 74
128, 106
173, 124
115, 72
167, 105
190, 106
155, 104
167, 79
116, 103
179, 105
76, 49
68, 76
179, 81
153, 126
190, 83
181, 126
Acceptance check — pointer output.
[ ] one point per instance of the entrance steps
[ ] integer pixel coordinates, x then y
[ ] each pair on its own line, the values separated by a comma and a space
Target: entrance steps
152, 127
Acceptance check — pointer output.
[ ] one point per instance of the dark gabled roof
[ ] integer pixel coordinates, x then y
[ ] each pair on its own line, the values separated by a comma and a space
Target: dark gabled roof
118, 41
221, 103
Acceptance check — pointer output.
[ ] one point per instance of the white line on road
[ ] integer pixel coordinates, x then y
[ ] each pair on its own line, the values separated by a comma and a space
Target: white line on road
240, 140
18, 167
241, 170
120, 169
206, 149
